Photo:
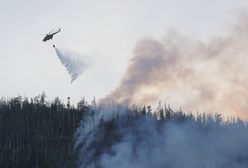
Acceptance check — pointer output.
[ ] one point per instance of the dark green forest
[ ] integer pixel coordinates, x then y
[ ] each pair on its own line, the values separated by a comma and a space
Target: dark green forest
37, 133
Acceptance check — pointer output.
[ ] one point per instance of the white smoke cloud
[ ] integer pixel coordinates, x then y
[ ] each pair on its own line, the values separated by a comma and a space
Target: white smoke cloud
189, 73
72, 62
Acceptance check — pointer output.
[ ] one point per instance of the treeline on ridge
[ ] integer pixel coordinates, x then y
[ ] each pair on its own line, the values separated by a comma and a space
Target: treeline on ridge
38, 133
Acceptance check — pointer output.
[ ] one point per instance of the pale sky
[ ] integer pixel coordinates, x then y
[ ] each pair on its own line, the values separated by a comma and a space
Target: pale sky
106, 31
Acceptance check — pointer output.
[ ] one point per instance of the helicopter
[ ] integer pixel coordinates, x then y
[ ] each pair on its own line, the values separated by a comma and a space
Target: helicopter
49, 36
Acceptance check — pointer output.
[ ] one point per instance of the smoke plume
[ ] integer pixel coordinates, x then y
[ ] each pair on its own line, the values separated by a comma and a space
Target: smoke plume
189, 73
186, 73
72, 62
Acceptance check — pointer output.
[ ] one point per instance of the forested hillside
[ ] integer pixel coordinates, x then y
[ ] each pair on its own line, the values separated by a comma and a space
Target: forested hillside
38, 133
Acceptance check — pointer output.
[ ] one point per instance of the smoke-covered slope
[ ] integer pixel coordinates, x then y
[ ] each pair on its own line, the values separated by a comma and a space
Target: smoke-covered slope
139, 139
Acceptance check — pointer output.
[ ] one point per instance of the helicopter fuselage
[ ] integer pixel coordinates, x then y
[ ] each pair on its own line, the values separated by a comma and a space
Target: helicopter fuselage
48, 37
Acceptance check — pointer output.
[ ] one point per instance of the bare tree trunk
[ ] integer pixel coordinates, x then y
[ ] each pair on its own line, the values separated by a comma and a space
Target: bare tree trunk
13, 151
17, 148
45, 150
37, 159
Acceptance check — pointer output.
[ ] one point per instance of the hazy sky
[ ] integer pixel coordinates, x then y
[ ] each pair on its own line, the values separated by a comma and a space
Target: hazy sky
105, 31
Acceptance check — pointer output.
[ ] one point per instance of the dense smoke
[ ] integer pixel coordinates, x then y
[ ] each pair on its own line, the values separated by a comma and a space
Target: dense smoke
142, 141
189, 73
72, 62
177, 146
185, 73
